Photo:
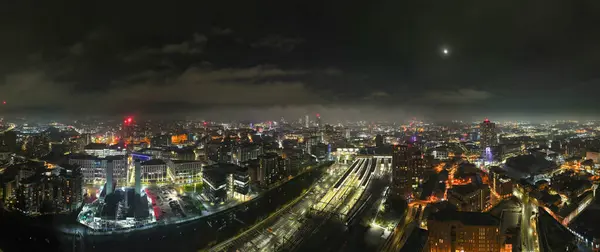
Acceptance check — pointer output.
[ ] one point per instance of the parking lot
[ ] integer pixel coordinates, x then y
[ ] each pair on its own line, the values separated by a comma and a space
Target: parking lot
174, 206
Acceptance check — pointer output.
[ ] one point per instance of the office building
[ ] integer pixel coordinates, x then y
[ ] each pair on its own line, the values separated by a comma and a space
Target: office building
102, 150
226, 181
451, 231
215, 185
93, 169
488, 134
184, 172
240, 183
154, 170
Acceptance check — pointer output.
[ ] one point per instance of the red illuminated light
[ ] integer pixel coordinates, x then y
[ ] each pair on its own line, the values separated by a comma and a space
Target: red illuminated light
3, 102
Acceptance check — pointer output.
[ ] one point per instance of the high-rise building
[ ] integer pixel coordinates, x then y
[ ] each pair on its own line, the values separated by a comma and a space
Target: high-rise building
378, 140
306, 121
319, 123
138, 176
56, 191
109, 177
246, 151
215, 188
451, 231
408, 167
128, 130
268, 170
93, 169
487, 131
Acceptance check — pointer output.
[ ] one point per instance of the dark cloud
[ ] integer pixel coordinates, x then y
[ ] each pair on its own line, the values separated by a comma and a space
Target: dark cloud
278, 42
221, 31
457, 96
298, 56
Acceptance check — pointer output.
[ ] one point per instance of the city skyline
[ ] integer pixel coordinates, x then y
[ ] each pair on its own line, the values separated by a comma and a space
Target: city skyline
382, 125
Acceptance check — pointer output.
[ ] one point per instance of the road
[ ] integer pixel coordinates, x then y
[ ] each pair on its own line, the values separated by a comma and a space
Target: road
529, 233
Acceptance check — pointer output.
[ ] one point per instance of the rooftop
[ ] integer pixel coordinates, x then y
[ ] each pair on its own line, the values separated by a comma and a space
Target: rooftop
96, 146
466, 218
153, 162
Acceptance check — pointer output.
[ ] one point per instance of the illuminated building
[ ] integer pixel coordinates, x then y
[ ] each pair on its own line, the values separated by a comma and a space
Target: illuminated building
306, 121
319, 123
268, 171
179, 139
239, 181
184, 171
501, 184
469, 197
93, 169
154, 170
127, 131
246, 151
451, 231
440, 153
215, 185
225, 152
55, 191
226, 181
488, 134
102, 150
408, 167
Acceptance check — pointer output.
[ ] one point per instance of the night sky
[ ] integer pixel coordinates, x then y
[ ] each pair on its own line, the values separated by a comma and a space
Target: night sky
267, 59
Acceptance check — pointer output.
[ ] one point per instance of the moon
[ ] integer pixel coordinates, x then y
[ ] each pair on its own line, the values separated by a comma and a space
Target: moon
445, 51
